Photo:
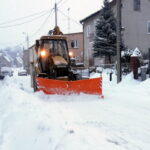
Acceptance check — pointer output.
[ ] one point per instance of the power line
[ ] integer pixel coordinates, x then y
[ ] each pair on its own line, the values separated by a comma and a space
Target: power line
25, 22
59, 2
21, 44
17, 19
42, 25
73, 20
38, 30
62, 3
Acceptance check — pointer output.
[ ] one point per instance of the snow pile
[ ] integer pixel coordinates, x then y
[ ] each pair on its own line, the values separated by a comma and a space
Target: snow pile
35, 121
136, 53
9, 69
127, 52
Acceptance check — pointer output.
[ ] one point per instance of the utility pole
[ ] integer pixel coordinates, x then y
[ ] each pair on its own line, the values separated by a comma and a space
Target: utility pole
149, 63
118, 41
68, 20
55, 14
27, 41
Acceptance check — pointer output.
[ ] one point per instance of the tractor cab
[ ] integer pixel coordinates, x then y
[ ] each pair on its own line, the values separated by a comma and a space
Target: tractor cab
54, 46
53, 56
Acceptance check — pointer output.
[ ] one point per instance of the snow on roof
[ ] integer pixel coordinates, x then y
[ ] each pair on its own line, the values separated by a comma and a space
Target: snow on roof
7, 58
6, 69
136, 53
127, 52
19, 60
112, 3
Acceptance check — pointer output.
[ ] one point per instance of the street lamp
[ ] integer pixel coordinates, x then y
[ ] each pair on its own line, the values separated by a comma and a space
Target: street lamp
27, 39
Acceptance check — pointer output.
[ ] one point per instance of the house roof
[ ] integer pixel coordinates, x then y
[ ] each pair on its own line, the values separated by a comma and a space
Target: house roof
90, 16
6, 69
73, 33
19, 59
7, 58
112, 3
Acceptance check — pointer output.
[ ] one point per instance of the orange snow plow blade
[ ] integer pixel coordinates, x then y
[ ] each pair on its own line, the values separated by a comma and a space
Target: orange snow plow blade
52, 86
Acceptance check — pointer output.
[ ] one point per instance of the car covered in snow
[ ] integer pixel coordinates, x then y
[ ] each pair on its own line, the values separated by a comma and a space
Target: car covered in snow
22, 73
1, 77
6, 71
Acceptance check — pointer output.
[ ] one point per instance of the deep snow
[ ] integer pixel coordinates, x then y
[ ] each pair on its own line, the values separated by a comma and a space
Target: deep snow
35, 121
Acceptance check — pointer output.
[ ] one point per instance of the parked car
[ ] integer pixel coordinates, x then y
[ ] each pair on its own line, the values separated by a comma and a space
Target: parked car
6, 71
1, 77
22, 73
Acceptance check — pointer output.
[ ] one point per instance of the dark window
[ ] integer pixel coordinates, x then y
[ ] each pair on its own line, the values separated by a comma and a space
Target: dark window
74, 44
136, 5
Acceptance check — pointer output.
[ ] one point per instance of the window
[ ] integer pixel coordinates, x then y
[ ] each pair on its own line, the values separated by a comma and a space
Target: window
74, 44
136, 5
55, 47
88, 30
148, 27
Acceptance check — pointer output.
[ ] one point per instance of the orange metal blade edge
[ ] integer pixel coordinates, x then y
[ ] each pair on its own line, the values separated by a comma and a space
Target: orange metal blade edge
87, 86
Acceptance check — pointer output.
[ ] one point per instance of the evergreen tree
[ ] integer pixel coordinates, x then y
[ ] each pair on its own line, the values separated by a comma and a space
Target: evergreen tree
105, 39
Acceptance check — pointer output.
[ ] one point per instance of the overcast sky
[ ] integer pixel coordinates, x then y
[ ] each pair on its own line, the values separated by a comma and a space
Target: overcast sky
42, 22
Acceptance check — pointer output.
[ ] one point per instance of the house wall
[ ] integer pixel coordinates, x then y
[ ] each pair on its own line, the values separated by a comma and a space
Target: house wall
32, 54
78, 51
26, 63
17, 63
32, 62
4, 62
134, 34
32, 58
29, 59
135, 24
89, 33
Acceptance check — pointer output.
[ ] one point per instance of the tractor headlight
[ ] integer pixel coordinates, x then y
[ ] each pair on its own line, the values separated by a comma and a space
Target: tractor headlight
71, 54
43, 53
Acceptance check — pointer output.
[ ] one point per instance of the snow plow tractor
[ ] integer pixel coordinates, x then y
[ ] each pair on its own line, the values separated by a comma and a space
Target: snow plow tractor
52, 71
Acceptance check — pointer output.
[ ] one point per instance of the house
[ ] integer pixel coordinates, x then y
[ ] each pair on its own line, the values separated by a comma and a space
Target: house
18, 62
75, 45
5, 61
135, 22
26, 63
29, 58
32, 59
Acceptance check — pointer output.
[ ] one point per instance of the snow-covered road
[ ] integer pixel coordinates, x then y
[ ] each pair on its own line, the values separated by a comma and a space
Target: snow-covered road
35, 121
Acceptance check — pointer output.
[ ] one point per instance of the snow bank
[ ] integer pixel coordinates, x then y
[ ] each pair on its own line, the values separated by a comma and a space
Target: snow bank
136, 53
35, 121
9, 69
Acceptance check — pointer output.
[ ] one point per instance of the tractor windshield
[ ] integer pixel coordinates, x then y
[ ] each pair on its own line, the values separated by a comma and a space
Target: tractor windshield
56, 48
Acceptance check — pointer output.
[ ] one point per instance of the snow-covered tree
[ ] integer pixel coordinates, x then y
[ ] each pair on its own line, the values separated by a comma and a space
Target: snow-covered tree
136, 53
128, 53
105, 39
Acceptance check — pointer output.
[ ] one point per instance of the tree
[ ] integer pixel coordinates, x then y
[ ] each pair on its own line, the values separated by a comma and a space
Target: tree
106, 38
